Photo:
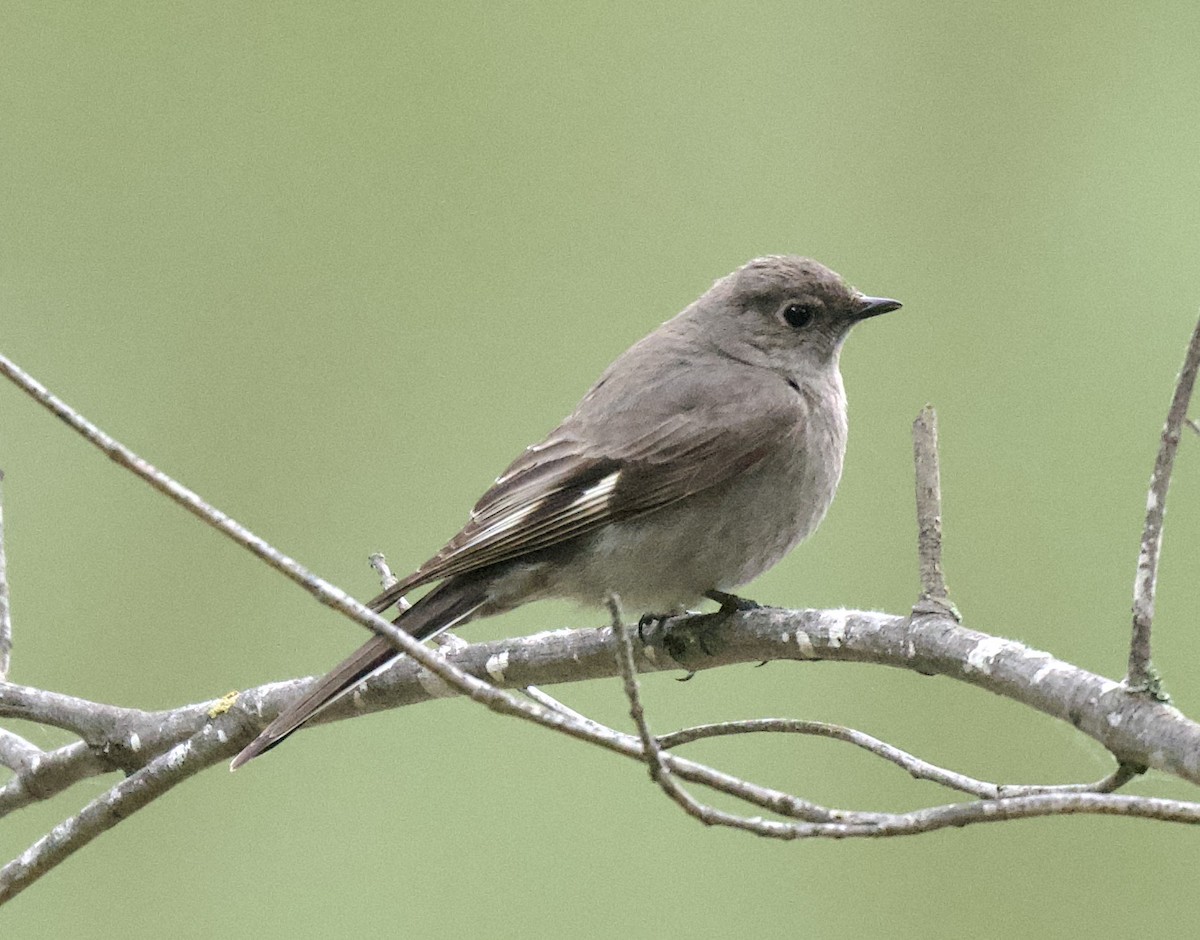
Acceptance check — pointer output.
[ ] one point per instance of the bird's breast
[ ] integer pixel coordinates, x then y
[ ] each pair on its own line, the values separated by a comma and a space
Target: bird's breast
726, 535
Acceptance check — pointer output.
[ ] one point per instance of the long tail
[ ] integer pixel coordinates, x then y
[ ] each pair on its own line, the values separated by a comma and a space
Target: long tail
453, 602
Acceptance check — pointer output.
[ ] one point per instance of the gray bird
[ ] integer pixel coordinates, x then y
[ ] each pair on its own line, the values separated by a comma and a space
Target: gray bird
704, 454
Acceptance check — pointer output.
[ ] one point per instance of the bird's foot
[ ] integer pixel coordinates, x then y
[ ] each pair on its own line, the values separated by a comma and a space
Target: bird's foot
651, 622
686, 637
692, 636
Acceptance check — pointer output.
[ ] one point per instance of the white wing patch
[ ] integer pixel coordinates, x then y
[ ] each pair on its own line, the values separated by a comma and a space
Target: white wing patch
529, 526
601, 490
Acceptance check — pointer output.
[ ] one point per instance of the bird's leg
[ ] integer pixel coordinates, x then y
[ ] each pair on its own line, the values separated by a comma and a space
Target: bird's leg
731, 602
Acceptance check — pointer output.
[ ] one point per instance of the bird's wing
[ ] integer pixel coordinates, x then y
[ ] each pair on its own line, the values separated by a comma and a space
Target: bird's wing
600, 466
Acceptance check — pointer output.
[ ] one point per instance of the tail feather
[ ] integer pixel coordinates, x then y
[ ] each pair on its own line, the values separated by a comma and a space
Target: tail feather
450, 604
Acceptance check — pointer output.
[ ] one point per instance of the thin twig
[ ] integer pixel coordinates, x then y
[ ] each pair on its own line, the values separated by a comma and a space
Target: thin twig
629, 677
378, 561
5, 607
659, 770
920, 769
549, 701
916, 767
1141, 674
1109, 783
934, 598
1193, 424
324, 591
386, 578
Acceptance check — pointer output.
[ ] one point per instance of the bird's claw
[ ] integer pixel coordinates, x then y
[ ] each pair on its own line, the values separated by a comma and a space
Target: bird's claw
649, 620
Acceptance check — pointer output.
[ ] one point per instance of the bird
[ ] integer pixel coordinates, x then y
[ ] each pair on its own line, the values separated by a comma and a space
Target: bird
700, 457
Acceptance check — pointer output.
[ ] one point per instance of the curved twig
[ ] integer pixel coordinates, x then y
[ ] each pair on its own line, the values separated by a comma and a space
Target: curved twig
916, 767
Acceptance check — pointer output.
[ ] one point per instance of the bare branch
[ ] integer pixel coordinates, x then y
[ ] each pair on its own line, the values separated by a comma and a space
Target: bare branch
660, 771
1020, 807
845, 824
51, 774
650, 749
918, 768
378, 561
996, 664
16, 753
1139, 731
929, 507
1141, 675
1109, 783
386, 578
92, 721
158, 776
325, 592
542, 698
5, 606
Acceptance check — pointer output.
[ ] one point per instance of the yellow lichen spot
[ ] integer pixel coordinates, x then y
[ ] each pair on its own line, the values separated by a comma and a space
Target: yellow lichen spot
223, 704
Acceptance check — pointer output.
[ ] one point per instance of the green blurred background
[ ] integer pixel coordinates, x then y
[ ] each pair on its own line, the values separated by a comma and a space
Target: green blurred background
333, 265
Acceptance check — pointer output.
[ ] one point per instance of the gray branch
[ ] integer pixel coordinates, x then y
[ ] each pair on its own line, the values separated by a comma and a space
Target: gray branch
1141, 674
172, 746
1138, 731
929, 508
5, 606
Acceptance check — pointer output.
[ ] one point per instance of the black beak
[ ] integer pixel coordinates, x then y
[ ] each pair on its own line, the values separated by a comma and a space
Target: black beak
873, 306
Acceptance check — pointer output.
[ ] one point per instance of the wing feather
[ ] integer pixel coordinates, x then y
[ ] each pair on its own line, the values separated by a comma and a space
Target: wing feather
606, 463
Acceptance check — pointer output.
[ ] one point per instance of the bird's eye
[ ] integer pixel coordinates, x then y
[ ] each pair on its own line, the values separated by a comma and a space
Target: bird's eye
798, 316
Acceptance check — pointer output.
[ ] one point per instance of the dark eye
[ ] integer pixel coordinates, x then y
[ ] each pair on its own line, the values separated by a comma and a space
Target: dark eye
798, 316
